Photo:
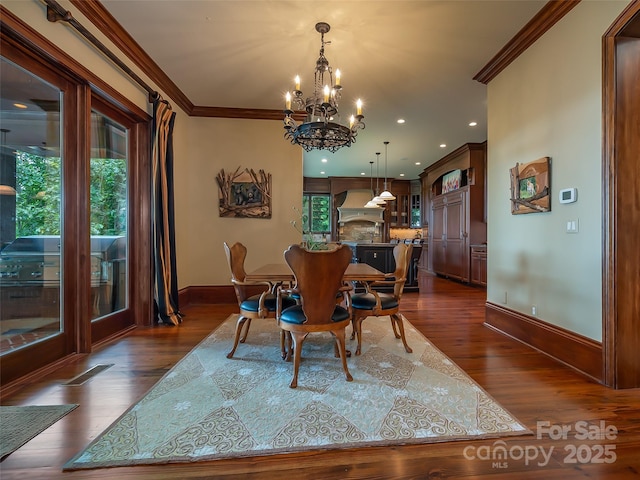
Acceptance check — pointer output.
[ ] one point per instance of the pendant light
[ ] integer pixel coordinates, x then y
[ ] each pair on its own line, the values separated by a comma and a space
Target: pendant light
377, 199
371, 203
386, 195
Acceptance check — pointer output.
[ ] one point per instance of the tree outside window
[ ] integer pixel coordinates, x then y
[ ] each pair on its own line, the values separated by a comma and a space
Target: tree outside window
316, 213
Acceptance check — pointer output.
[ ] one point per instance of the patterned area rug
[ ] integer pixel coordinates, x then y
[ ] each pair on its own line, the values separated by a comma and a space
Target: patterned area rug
19, 424
210, 407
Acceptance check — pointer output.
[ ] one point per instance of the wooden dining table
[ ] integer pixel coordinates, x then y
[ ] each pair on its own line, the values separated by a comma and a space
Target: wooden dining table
280, 272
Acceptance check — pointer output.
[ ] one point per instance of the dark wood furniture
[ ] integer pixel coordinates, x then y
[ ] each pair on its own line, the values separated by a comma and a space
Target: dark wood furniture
318, 277
373, 303
456, 219
479, 265
398, 211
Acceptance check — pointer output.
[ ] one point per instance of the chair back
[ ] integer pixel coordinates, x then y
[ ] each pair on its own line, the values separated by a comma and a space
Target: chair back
318, 277
402, 255
236, 255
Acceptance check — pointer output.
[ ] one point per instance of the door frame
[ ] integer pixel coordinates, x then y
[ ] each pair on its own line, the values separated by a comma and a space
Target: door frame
621, 288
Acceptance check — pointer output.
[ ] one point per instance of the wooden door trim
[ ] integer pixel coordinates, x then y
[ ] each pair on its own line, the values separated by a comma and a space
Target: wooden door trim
611, 194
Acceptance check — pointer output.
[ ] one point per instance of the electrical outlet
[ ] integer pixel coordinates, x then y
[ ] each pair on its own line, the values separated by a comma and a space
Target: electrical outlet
534, 310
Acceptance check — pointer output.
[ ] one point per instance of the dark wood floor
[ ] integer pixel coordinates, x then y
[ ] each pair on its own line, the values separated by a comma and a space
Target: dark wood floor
531, 386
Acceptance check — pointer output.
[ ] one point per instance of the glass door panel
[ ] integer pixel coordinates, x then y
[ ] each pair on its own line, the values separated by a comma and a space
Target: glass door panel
30, 214
109, 214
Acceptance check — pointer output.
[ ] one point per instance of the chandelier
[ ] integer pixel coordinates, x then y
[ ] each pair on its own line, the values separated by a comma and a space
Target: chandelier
322, 128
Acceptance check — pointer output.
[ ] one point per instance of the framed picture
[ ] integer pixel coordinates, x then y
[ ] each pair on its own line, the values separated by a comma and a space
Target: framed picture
451, 181
531, 187
244, 193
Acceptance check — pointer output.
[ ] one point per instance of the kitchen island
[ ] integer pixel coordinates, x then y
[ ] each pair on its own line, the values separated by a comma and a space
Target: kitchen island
380, 256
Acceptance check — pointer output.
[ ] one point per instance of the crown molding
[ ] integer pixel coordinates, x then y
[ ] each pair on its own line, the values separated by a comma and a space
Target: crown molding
548, 16
97, 14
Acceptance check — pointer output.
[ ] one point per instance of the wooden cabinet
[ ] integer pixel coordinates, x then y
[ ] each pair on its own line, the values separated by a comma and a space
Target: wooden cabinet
398, 214
479, 264
456, 218
448, 235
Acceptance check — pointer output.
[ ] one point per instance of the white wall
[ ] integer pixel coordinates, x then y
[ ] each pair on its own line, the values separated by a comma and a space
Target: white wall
202, 146
549, 103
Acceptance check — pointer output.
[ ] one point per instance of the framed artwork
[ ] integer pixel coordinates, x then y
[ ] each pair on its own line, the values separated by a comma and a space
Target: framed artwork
244, 193
531, 187
451, 181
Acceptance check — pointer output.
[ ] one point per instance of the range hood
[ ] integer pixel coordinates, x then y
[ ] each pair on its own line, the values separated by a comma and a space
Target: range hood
352, 210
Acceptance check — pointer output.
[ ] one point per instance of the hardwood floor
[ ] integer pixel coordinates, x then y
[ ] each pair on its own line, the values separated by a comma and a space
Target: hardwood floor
531, 386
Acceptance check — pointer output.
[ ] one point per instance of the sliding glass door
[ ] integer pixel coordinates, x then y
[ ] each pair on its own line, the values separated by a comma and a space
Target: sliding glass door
75, 256
31, 240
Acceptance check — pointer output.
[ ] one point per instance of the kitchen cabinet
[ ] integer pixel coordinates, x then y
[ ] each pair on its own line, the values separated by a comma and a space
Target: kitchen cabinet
448, 235
398, 211
456, 216
479, 265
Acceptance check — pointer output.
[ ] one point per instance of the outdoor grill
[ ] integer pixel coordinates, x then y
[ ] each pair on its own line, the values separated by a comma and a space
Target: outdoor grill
32, 263
35, 260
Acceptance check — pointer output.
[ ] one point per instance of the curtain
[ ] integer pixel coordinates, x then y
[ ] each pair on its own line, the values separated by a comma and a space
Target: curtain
164, 251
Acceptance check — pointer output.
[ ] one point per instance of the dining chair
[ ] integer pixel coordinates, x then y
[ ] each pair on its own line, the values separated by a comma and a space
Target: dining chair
317, 279
375, 303
260, 305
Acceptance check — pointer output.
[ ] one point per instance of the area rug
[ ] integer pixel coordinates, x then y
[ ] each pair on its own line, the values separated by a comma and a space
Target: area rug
19, 424
209, 407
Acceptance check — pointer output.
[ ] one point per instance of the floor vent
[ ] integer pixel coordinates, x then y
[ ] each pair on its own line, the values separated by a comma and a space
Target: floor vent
89, 374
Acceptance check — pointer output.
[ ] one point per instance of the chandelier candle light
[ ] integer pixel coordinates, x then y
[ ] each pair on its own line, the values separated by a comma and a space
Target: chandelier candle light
322, 129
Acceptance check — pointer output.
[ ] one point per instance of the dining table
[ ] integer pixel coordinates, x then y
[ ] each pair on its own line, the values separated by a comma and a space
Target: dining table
280, 272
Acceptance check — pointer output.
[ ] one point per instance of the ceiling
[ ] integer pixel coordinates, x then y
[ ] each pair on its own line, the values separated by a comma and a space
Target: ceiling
413, 60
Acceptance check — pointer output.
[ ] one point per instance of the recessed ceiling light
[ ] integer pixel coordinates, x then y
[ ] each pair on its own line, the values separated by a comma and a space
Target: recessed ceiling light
473, 124
401, 120
417, 163
362, 173
324, 160
19, 105
402, 174
321, 173
443, 145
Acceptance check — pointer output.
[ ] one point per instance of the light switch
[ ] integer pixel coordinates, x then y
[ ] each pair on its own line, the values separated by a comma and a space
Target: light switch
573, 226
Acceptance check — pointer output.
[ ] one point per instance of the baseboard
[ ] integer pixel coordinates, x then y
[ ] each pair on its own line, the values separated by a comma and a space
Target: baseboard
206, 294
576, 351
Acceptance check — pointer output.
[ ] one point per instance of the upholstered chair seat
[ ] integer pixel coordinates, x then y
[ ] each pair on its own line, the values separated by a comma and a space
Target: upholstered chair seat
367, 301
296, 315
252, 304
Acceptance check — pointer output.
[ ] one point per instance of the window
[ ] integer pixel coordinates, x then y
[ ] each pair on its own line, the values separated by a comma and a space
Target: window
316, 216
415, 211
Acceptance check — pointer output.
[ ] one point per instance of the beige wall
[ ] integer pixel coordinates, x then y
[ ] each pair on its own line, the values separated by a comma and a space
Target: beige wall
549, 103
207, 145
202, 146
